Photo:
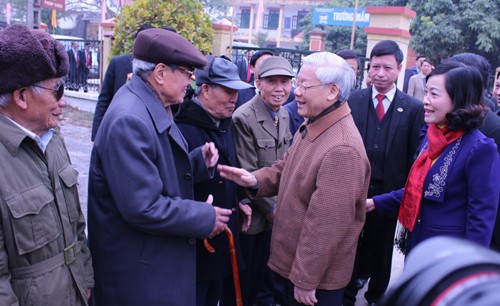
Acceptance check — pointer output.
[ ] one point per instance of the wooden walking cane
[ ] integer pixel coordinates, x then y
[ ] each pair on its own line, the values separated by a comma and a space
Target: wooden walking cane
234, 263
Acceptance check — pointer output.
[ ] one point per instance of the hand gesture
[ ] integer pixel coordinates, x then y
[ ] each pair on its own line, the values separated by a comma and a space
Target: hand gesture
238, 175
210, 154
370, 205
221, 218
246, 210
303, 296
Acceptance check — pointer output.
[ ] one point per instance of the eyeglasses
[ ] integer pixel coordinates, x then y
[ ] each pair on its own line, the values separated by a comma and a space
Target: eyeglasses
302, 86
189, 73
59, 91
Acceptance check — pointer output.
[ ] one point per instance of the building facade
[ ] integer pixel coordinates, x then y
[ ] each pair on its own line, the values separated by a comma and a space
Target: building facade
279, 19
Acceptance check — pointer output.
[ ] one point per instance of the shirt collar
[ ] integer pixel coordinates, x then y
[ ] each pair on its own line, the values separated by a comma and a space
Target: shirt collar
389, 95
317, 127
42, 140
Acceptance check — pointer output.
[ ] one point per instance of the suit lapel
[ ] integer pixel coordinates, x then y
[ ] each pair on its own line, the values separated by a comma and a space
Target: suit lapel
398, 111
359, 109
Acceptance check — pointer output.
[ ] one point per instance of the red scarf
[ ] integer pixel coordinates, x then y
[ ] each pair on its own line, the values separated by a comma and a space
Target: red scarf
438, 140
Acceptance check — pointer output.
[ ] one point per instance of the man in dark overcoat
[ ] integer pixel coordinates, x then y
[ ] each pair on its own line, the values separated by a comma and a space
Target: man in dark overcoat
143, 221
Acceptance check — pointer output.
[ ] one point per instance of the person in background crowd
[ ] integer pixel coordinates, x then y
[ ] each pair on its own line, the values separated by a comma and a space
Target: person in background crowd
454, 185
257, 58
44, 258
262, 136
389, 122
207, 118
351, 58
496, 89
409, 72
368, 80
85, 58
244, 67
118, 72
322, 181
481, 64
491, 123
143, 221
417, 87
74, 64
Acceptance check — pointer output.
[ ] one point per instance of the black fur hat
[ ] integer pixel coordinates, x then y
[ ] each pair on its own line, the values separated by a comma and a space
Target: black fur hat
28, 57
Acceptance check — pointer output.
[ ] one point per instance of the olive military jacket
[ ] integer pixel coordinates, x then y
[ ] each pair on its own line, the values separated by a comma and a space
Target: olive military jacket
44, 259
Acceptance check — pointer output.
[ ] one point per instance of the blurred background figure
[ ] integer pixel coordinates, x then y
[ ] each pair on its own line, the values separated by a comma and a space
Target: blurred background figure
409, 72
74, 64
417, 86
85, 58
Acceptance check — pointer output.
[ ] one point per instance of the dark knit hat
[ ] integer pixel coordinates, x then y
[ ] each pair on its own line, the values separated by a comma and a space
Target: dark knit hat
162, 46
28, 57
221, 71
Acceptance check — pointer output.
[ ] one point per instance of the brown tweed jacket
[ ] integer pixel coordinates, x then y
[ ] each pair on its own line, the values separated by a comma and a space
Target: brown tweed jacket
322, 184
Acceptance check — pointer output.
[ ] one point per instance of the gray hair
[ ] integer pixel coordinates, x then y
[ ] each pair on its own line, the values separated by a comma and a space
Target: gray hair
5, 97
331, 68
142, 68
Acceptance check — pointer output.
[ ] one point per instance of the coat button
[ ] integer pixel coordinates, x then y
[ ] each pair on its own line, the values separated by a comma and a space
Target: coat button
220, 183
187, 176
191, 241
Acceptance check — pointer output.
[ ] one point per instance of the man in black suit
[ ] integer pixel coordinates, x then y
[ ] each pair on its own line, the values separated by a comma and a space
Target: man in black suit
389, 122
116, 75
74, 64
85, 57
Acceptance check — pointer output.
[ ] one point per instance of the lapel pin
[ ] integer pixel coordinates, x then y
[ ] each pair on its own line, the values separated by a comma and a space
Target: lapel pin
400, 109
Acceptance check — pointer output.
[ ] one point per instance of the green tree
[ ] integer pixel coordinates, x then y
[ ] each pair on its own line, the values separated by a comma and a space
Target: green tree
185, 16
215, 8
446, 27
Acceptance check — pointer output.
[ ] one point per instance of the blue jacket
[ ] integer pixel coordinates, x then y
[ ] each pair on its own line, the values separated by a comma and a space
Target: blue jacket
141, 217
461, 192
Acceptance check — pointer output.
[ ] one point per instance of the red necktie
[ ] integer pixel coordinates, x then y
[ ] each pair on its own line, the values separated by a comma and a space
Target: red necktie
248, 73
380, 106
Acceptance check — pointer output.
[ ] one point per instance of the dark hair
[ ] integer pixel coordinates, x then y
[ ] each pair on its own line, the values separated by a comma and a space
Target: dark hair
427, 61
257, 55
465, 88
387, 47
498, 75
419, 57
347, 54
475, 60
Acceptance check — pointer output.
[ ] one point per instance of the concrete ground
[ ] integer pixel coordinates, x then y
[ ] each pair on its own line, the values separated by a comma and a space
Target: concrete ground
76, 128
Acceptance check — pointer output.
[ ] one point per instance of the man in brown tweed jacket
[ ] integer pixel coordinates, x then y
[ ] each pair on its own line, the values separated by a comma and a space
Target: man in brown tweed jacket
321, 183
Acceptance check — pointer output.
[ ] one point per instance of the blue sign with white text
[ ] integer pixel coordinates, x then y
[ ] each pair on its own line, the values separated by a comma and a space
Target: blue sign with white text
338, 16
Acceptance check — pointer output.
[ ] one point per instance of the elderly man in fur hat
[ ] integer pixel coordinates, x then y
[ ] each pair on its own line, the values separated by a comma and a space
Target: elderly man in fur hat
44, 259
143, 221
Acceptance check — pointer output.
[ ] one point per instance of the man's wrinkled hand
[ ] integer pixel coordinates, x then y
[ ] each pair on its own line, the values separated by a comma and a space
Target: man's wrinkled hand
221, 218
238, 175
307, 297
246, 210
210, 154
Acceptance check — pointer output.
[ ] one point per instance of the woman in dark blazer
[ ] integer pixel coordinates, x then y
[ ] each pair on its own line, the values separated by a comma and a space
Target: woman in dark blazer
454, 185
